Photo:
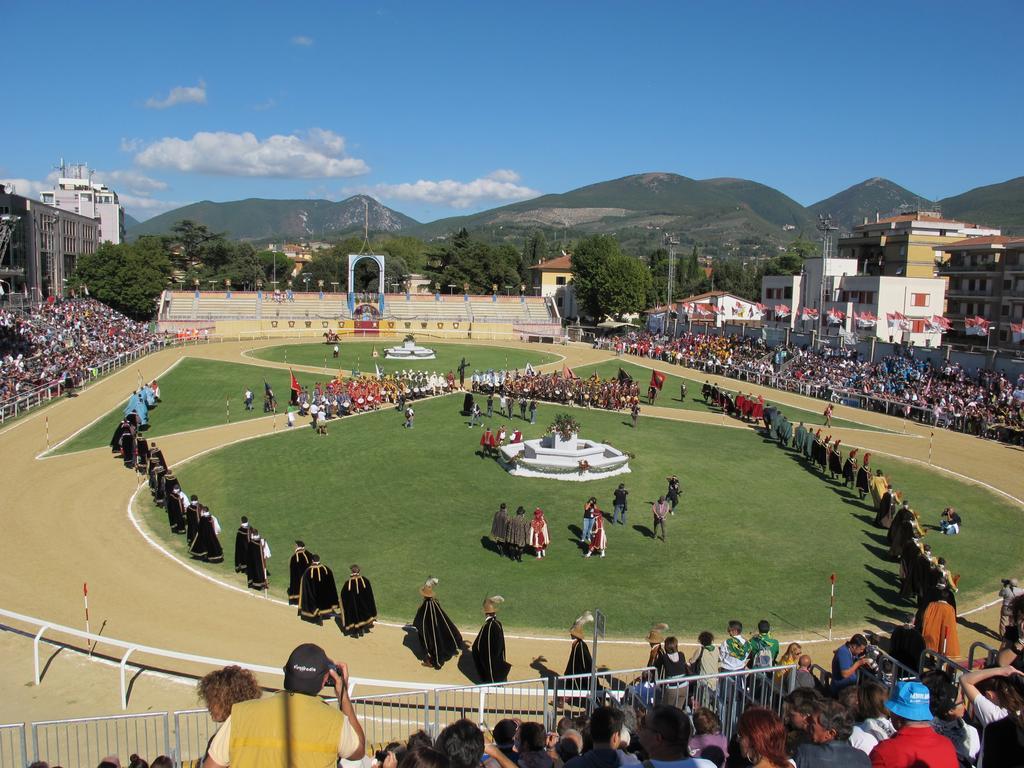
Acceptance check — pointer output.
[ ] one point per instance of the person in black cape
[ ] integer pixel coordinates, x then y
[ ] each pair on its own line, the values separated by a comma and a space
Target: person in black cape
174, 504
141, 453
192, 519
489, 646
256, 562
358, 606
156, 465
242, 545
318, 594
297, 565
580, 661
206, 546
439, 637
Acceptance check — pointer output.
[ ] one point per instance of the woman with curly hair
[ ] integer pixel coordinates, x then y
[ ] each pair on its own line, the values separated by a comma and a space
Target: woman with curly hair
223, 688
762, 738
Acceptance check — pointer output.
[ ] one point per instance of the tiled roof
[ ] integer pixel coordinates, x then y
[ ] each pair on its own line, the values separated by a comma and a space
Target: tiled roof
562, 263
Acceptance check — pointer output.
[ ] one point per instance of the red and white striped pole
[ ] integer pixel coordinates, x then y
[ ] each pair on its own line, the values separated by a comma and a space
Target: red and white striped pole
930, 439
46, 419
85, 599
831, 604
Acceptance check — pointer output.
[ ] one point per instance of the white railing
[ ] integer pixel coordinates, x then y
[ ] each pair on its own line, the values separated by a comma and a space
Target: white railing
129, 649
86, 741
24, 402
13, 747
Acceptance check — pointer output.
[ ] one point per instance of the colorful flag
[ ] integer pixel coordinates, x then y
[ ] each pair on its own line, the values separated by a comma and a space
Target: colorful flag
1017, 329
657, 380
976, 326
568, 373
625, 377
294, 382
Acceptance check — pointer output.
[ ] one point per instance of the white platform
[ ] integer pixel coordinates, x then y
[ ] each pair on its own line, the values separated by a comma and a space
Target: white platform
557, 459
409, 351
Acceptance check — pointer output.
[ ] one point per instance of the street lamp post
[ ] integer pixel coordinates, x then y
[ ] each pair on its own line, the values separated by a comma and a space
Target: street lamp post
451, 289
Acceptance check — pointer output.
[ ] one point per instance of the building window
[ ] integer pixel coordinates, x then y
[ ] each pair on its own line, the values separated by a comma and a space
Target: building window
1004, 310
953, 307
917, 326
919, 299
1007, 284
788, 292
559, 281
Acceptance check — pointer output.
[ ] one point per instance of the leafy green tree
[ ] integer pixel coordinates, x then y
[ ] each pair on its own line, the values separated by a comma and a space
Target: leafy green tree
587, 257
192, 239
621, 285
129, 276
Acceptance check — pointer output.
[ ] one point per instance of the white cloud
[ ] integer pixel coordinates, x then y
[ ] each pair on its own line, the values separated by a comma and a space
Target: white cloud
132, 181
263, 106
501, 185
315, 154
180, 94
131, 145
30, 188
302, 40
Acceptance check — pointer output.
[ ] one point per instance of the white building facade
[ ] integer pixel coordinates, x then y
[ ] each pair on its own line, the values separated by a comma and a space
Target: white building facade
79, 194
898, 309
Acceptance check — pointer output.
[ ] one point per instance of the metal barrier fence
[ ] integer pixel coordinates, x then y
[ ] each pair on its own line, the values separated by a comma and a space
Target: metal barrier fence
391, 717
728, 694
22, 403
86, 741
991, 654
486, 704
13, 748
932, 660
193, 729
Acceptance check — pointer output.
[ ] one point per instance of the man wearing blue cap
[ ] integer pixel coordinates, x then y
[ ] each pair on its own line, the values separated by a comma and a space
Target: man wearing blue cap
915, 742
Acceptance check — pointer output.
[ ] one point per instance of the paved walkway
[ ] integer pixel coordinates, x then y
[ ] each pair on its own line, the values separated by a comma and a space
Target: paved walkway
66, 523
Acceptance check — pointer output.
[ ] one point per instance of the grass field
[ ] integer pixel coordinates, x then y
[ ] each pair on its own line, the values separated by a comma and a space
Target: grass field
359, 355
198, 393
669, 395
756, 527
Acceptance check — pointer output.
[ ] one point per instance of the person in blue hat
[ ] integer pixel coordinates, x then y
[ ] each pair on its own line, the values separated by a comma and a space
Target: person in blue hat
915, 742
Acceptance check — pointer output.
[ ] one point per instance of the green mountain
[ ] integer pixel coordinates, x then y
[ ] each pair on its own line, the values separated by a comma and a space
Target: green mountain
130, 221
853, 204
996, 205
256, 219
639, 209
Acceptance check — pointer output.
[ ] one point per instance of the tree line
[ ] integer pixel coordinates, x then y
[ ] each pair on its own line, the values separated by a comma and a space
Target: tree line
607, 280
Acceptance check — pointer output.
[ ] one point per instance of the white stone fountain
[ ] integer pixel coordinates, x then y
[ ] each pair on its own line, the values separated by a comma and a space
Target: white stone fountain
409, 351
573, 459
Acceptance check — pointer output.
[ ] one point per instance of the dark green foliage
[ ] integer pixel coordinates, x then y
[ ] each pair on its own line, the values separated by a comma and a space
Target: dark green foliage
471, 264
994, 205
851, 206
129, 277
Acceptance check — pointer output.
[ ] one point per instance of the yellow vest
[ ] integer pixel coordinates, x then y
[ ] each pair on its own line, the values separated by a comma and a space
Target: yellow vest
286, 730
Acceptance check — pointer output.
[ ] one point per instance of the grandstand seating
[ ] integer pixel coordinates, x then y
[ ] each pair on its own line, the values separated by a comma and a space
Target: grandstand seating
186, 305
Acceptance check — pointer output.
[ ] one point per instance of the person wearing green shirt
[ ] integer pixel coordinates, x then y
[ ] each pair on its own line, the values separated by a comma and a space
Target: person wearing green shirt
762, 649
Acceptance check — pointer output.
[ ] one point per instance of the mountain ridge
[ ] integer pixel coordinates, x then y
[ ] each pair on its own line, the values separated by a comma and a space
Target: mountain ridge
638, 208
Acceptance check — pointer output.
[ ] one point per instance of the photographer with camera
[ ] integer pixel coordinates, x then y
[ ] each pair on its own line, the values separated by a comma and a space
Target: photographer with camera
847, 661
294, 728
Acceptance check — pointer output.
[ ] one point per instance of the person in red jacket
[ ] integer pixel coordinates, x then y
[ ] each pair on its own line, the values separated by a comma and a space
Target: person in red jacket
915, 742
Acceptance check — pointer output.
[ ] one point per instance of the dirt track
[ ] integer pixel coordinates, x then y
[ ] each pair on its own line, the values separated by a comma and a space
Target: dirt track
65, 523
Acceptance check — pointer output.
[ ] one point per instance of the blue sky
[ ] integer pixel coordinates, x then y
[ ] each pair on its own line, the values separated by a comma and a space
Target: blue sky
441, 108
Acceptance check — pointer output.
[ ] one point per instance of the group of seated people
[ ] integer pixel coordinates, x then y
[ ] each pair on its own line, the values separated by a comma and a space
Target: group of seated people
986, 403
62, 340
520, 387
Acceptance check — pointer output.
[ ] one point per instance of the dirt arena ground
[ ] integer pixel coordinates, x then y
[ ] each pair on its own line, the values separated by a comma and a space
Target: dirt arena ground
65, 522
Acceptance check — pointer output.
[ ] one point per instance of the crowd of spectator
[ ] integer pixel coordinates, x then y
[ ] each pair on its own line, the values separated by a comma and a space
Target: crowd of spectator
985, 403
62, 341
